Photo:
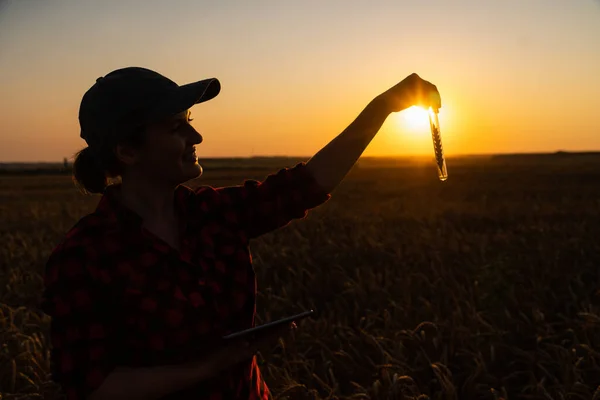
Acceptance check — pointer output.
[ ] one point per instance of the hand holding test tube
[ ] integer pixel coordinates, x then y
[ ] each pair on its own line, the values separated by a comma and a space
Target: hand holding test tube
414, 91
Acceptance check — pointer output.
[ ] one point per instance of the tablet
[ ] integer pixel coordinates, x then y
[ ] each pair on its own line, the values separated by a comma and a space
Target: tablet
270, 325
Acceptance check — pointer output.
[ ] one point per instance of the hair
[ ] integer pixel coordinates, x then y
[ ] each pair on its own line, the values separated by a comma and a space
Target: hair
94, 168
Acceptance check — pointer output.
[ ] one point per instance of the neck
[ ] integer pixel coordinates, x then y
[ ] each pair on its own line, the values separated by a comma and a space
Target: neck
151, 200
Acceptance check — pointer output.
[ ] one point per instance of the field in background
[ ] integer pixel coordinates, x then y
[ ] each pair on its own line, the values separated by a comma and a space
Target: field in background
482, 287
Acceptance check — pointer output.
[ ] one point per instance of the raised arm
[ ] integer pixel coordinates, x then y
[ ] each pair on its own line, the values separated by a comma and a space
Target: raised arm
333, 162
260, 207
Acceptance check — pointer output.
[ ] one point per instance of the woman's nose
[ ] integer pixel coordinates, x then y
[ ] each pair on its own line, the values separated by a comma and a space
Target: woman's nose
195, 136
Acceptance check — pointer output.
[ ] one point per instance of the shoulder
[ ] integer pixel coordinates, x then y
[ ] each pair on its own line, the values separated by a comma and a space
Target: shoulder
76, 253
73, 274
87, 233
90, 226
206, 197
283, 182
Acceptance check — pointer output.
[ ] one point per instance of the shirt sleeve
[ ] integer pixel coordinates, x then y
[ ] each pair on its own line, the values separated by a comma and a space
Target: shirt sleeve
81, 330
260, 207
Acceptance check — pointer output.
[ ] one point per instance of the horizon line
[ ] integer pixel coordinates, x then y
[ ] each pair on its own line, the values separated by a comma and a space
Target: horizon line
398, 156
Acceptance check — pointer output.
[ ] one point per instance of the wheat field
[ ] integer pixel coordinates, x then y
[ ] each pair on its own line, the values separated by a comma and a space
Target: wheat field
485, 286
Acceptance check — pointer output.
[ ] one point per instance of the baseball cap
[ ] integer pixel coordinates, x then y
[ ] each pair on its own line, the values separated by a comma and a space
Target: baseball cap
133, 96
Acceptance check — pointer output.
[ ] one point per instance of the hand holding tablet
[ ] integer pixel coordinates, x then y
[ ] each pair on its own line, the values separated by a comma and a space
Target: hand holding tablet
243, 345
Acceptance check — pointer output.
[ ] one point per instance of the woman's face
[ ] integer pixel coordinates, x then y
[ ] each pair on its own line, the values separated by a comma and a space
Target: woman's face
168, 152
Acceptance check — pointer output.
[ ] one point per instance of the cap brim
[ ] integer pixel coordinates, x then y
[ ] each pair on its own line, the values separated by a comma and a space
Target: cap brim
201, 91
185, 96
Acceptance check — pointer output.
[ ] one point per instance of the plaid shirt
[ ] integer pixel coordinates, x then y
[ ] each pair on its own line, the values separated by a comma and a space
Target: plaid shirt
120, 296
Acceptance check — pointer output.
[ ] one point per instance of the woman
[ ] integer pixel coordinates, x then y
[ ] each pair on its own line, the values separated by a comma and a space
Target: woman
141, 290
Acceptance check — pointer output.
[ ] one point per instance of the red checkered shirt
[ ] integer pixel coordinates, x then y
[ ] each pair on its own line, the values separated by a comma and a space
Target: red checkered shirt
120, 296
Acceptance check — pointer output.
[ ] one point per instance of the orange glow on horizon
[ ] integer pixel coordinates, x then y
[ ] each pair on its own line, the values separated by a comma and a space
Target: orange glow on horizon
289, 90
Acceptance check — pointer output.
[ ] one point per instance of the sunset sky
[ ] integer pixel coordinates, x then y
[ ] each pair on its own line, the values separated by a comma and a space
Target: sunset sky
514, 75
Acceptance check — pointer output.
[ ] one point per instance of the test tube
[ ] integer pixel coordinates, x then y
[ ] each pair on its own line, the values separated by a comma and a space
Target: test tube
437, 144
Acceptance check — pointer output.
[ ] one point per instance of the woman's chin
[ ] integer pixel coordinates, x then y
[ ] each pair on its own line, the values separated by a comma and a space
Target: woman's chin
192, 170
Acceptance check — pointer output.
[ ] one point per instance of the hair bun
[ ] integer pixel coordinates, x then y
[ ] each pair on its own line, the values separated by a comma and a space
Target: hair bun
87, 174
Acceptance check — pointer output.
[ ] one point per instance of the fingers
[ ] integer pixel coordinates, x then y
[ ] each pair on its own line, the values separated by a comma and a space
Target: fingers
244, 349
434, 99
427, 95
266, 337
412, 91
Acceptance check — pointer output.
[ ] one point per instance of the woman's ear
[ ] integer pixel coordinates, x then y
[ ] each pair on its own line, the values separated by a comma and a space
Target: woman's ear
126, 154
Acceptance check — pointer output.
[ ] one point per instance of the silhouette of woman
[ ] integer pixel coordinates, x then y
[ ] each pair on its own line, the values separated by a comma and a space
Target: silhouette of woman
141, 290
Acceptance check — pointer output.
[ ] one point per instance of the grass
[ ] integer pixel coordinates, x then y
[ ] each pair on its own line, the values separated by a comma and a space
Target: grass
482, 287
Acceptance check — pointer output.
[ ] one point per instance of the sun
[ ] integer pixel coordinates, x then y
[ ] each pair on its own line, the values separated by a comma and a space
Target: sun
414, 119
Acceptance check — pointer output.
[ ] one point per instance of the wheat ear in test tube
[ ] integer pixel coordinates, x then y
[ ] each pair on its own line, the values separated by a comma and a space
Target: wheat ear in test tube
438, 149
